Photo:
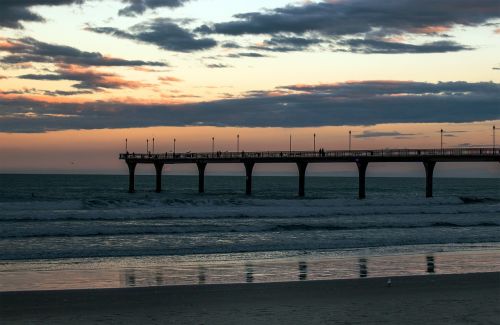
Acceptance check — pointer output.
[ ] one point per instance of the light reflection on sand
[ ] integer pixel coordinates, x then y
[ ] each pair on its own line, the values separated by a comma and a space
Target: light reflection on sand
200, 270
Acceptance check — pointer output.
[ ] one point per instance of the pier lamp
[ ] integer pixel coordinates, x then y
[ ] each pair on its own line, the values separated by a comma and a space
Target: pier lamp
350, 141
442, 140
314, 143
147, 145
494, 138
290, 143
213, 145
153, 146
126, 145
174, 146
238, 143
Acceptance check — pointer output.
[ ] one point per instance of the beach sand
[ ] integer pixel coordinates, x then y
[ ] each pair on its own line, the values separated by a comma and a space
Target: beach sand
433, 299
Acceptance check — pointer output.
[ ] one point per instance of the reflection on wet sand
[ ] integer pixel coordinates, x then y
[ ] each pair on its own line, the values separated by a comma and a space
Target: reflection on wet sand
249, 273
202, 275
129, 278
159, 278
430, 264
302, 271
363, 267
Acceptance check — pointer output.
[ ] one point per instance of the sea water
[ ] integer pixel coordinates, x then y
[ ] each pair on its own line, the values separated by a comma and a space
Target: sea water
82, 225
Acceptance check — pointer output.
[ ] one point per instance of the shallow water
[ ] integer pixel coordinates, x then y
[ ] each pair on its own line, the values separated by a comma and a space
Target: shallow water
53, 219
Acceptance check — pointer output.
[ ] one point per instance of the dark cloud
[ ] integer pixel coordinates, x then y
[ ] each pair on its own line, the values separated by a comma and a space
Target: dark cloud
86, 78
217, 65
231, 45
67, 93
13, 12
376, 21
353, 103
140, 6
363, 16
282, 43
246, 55
370, 46
164, 33
26, 50
379, 134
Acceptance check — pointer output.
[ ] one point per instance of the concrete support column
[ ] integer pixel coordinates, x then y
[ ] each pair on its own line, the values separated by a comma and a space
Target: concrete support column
131, 176
248, 170
201, 176
159, 168
362, 165
302, 166
429, 172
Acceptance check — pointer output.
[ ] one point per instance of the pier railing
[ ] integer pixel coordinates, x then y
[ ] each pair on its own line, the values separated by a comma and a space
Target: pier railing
446, 152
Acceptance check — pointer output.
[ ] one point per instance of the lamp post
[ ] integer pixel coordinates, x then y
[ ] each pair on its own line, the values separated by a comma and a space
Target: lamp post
442, 141
174, 146
350, 142
238, 143
494, 138
290, 143
213, 145
126, 145
147, 145
314, 143
153, 146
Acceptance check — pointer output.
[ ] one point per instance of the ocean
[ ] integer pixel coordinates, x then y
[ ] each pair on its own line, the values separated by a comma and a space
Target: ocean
89, 226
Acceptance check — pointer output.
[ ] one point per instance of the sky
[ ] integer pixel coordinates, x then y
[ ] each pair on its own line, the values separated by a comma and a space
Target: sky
79, 77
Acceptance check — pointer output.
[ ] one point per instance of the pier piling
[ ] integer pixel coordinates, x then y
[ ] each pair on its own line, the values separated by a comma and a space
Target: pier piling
131, 176
201, 176
159, 168
302, 166
248, 170
362, 165
429, 171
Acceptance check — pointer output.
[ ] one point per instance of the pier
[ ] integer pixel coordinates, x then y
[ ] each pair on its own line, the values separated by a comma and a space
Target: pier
362, 158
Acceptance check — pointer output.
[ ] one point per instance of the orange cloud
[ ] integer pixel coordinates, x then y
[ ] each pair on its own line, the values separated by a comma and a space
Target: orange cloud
431, 29
168, 80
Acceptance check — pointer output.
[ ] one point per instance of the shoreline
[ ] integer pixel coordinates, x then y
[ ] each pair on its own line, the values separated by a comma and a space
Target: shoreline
443, 299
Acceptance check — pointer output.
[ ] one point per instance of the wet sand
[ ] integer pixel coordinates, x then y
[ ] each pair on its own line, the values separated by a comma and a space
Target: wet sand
434, 299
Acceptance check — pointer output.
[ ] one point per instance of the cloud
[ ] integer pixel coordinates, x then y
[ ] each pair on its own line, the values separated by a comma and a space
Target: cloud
168, 80
362, 16
370, 46
379, 134
352, 103
281, 43
162, 32
246, 55
376, 21
13, 12
26, 50
218, 66
136, 7
87, 78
